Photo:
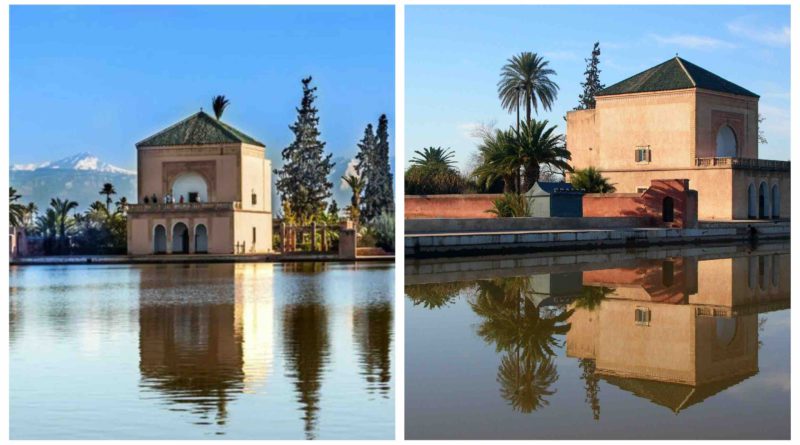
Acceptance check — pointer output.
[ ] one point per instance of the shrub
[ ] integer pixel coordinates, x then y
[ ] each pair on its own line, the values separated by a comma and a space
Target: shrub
382, 226
421, 180
510, 205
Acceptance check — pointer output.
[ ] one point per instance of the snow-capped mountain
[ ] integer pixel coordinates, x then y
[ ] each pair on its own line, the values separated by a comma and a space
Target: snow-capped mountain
79, 178
80, 161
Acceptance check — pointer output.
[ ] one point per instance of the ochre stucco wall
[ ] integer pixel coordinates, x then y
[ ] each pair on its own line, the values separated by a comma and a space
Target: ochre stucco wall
449, 206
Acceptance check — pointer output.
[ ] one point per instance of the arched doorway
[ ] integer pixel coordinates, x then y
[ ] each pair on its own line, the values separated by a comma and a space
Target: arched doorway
180, 238
159, 239
776, 201
191, 186
200, 239
752, 208
763, 199
668, 209
726, 142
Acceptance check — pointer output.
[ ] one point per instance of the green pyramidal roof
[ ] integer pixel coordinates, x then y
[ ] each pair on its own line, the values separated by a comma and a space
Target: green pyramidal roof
198, 129
674, 74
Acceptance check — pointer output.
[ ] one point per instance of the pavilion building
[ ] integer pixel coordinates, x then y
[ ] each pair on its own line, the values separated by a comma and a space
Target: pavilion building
677, 120
203, 187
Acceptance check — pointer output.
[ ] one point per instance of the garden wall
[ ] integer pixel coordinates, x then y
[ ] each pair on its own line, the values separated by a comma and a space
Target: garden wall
449, 206
649, 205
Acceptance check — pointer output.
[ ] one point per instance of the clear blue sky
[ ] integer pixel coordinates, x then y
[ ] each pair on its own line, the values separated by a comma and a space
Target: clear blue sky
454, 55
100, 79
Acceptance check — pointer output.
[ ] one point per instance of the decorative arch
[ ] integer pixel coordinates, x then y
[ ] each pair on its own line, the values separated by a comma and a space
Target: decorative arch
763, 201
776, 201
727, 145
193, 186
200, 239
180, 238
159, 239
752, 199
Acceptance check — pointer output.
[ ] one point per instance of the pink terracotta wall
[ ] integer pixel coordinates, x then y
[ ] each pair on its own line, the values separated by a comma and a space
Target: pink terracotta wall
449, 206
648, 204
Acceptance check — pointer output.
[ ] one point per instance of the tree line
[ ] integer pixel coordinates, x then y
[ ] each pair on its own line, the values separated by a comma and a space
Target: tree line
62, 230
511, 160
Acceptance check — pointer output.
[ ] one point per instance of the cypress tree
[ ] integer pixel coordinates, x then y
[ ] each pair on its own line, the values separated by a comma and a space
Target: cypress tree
374, 166
592, 83
303, 183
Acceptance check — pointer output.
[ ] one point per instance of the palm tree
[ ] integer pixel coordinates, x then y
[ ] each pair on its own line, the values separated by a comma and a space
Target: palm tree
108, 190
30, 213
592, 181
434, 158
16, 211
62, 209
47, 226
539, 145
219, 103
526, 77
356, 184
517, 156
498, 161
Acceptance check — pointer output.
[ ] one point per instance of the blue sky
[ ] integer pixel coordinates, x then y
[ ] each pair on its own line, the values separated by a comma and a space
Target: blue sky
100, 79
454, 55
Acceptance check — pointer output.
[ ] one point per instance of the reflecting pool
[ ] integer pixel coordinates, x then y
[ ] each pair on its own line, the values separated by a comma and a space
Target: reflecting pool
638, 344
231, 351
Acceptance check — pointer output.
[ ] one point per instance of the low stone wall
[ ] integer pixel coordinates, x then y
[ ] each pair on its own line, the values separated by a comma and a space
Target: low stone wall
649, 204
464, 244
449, 206
484, 225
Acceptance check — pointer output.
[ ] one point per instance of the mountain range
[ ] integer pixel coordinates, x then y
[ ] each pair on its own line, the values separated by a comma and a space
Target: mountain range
81, 176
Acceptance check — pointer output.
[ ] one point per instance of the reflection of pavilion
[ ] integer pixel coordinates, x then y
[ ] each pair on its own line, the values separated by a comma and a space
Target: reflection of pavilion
203, 339
677, 332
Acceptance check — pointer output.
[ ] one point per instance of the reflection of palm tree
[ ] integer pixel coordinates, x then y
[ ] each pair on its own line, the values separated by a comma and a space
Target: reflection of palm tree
305, 326
372, 329
591, 384
436, 295
591, 297
525, 381
514, 324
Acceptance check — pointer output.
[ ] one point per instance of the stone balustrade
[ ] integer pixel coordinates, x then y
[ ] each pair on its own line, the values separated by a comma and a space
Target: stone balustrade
744, 163
184, 207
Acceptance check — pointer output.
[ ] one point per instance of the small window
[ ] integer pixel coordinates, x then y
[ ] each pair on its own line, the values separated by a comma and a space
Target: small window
253, 198
254, 236
643, 316
643, 154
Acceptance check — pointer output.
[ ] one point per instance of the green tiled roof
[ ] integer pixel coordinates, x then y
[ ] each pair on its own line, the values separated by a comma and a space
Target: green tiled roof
198, 129
674, 74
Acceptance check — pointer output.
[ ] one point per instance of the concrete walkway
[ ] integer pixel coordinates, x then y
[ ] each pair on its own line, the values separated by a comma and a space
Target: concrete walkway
489, 242
191, 259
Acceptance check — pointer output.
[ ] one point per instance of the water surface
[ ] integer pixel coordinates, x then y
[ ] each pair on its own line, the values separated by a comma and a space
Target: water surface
231, 351
647, 344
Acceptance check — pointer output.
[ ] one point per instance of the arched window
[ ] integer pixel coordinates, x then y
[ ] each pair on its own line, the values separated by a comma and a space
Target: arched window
752, 207
192, 186
180, 238
776, 201
726, 142
200, 239
763, 201
159, 239
668, 209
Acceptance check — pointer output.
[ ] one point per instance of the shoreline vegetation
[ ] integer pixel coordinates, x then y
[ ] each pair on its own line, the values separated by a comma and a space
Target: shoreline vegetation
510, 161
303, 183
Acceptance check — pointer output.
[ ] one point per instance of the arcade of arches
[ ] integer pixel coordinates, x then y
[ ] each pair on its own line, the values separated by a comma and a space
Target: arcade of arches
182, 240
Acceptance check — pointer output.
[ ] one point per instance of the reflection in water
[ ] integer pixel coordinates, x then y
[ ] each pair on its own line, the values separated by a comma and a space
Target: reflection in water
672, 331
190, 350
372, 324
305, 336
